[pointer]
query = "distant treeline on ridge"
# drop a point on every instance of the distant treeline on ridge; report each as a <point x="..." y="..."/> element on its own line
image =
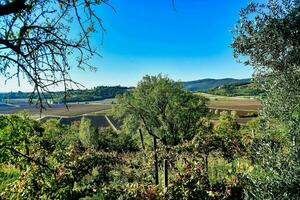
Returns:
<point x="97" y="93"/>
<point x="224" y="87"/>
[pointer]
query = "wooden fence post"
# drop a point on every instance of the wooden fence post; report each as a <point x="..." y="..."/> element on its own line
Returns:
<point x="206" y="162"/>
<point x="155" y="160"/>
<point x="166" y="173"/>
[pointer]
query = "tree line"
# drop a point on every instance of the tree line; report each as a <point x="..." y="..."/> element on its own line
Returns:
<point x="96" y="93"/>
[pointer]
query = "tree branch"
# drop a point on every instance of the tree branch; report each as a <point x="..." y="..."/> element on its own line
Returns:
<point x="28" y="158"/>
<point x="13" y="7"/>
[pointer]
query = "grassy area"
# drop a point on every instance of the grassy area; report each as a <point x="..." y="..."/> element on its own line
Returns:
<point x="102" y="112"/>
<point x="97" y="118"/>
<point x="8" y="174"/>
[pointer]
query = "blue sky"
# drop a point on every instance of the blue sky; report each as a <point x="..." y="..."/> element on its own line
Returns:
<point x="149" y="37"/>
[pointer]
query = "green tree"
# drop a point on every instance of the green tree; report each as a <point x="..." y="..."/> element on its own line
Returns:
<point x="227" y="124"/>
<point x="88" y="133"/>
<point x="224" y="137"/>
<point x="16" y="135"/>
<point x="110" y="140"/>
<point x="267" y="38"/>
<point x="163" y="108"/>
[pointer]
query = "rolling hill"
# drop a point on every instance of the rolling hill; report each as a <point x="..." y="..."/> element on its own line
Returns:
<point x="209" y="84"/>
<point x="231" y="90"/>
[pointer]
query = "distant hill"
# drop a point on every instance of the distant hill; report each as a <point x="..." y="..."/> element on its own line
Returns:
<point x="209" y="84"/>
<point x="235" y="89"/>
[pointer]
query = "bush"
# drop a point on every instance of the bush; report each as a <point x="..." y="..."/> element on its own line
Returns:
<point x="88" y="134"/>
<point x="109" y="140"/>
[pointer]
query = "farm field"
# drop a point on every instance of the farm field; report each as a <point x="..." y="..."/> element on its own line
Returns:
<point x="4" y="106"/>
<point x="97" y="120"/>
<point x="73" y="110"/>
<point x="245" y="107"/>
<point x="95" y="110"/>
<point x="59" y="110"/>
<point x="242" y="105"/>
<point x="233" y="103"/>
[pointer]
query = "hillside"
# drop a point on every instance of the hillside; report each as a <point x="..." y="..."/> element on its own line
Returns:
<point x="236" y="89"/>
<point x="208" y="84"/>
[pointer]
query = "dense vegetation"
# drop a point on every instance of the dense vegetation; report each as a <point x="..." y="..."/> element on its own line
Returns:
<point x="97" y="93"/>
<point x="204" y="160"/>
<point x="162" y="108"/>
<point x="231" y="90"/>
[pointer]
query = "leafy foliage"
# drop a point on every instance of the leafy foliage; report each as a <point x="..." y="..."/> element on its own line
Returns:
<point x="163" y="108"/>
<point x="266" y="37"/>
<point x="87" y="134"/>
<point x="222" y="160"/>
<point x="248" y="89"/>
<point x="51" y="165"/>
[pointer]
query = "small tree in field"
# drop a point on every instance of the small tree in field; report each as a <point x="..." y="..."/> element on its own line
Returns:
<point x="162" y="108"/>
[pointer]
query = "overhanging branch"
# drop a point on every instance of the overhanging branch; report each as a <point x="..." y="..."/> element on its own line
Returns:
<point x="13" y="7"/>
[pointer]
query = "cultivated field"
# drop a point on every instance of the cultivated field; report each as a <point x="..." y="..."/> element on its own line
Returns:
<point x="73" y="110"/>
<point x="246" y="107"/>
<point x="60" y="110"/>
<point x="233" y="103"/>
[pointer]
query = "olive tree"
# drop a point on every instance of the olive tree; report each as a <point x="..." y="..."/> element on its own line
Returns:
<point x="267" y="38"/>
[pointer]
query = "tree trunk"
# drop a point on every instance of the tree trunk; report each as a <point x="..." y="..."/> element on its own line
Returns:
<point x="206" y="162"/>
<point x="142" y="139"/>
